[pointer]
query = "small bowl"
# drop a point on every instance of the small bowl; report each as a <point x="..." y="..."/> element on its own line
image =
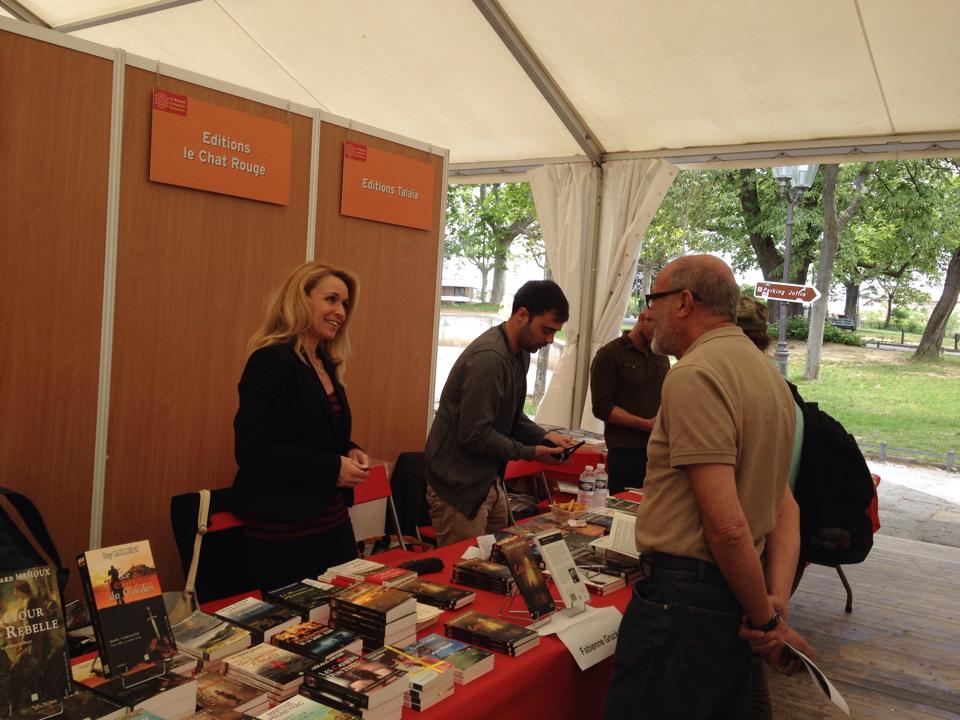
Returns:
<point x="561" y="515"/>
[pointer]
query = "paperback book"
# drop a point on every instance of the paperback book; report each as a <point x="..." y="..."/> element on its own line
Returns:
<point x="469" y="662"/>
<point x="360" y="680"/>
<point x="378" y="602"/>
<point x="317" y="641"/>
<point x="273" y="669"/>
<point x="80" y="705"/>
<point x="485" y="575"/>
<point x="261" y="618"/>
<point x="167" y="695"/>
<point x="218" y="692"/>
<point x="126" y="606"/>
<point x="423" y="675"/>
<point x="34" y="656"/>
<point x="492" y="633"/>
<point x="389" y="710"/>
<point x="302" y="708"/>
<point x="439" y="595"/>
<point x="209" y="638"/>
<point x="310" y="598"/>
<point x="528" y="576"/>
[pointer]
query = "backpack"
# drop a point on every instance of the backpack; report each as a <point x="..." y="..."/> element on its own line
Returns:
<point x="24" y="540"/>
<point x="834" y="490"/>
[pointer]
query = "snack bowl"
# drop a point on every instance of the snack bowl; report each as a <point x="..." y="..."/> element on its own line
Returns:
<point x="567" y="511"/>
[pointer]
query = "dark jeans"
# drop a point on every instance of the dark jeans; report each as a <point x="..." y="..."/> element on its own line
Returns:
<point x="678" y="654"/>
<point x="276" y="563"/>
<point x="626" y="467"/>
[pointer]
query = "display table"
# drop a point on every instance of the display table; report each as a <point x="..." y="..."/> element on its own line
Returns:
<point x="542" y="683"/>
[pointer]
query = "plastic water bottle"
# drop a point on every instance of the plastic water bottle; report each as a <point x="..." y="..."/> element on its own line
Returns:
<point x="600" y="487"/>
<point x="585" y="487"/>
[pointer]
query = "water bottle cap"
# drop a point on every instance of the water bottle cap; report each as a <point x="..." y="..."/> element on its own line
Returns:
<point x="601" y="466"/>
<point x="588" y="467"/>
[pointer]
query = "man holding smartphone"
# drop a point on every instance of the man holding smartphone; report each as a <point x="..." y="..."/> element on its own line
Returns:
<point x="480" y="423"/>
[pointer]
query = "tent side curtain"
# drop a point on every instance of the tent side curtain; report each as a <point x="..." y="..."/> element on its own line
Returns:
<point x="632" y="193"/>
<point x="562" y="194"/>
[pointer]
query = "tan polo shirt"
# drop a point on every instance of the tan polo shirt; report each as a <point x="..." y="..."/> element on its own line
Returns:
<point x="724" y="402"/>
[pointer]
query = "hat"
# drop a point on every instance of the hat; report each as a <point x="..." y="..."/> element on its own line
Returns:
<point x="751" y="315"/>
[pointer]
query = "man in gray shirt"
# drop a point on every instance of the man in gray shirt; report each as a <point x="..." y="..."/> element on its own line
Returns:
<point x="480" y="423"/>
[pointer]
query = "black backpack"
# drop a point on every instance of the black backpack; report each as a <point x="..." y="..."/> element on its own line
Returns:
<point x="24" y="540"/>
<point x="834" y="490"/>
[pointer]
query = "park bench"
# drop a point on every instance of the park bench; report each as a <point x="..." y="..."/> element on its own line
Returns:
<point x="843" y="323"/>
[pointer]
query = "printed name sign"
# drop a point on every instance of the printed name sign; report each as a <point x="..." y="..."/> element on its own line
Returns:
<point x="200" y="145"/>
<point x="382" y="186"/>
<point x="594" y="638"/>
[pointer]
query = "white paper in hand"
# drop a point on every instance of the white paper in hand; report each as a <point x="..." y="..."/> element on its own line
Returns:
<point x="821" y="681"/>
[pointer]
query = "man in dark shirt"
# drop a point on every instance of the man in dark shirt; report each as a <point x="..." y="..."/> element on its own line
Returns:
<point x="625" y="382"/>
<point x="480" y="423"/>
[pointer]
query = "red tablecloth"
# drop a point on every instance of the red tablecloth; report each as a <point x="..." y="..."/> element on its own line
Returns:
<point x="542" y="683"/>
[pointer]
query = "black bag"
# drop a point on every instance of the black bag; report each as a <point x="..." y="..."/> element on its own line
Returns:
<point x="24" y="540"/>
<point x="834" y="490"/>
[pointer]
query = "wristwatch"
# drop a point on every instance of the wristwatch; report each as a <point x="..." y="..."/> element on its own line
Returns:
<point x="770" y="624"/>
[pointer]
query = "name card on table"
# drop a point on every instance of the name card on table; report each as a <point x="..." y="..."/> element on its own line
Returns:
<point x="594" y="638"/>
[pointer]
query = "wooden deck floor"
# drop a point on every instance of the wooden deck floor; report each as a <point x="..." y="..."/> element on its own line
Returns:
<point x="898" y="654"/>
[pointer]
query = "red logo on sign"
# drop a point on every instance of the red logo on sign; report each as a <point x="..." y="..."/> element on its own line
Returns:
<point x="167" y="101"/>
<point x="355" y="151"/>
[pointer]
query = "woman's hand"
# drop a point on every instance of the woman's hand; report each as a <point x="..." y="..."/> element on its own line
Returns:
<point x="359" y="457"/>
<point x="352" y="473"/>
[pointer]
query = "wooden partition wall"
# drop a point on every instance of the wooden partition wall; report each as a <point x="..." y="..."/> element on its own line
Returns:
<point x="392" y="332"/>
<point x="192" y="273"/>
<point x="54" y="153"/>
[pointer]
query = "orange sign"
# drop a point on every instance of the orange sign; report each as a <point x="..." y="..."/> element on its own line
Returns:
<point x="382" y="186"/>
<point x="200" y="145"/>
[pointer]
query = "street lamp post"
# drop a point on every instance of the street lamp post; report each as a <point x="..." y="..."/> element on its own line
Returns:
<point x="794" y="181"/>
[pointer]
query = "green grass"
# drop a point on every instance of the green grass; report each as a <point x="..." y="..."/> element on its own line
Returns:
<point x="470" y="307"/>
<point x="892" y="335"/>
<point x="884" y="396"/>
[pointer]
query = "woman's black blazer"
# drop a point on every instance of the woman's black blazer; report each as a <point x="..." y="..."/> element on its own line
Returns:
<point x="288" y="442"/>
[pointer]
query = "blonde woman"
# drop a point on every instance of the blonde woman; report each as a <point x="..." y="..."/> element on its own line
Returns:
<point x="297" y="463"/>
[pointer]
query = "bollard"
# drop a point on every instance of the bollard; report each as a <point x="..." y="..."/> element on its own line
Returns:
<point x="883" y="452"/>
<point x="951" y="460"/>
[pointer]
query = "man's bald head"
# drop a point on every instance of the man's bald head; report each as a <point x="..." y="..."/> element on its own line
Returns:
<point x="710" y="279"/>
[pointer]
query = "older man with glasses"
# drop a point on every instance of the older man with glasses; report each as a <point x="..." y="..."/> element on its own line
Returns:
<point x="717" y="531"/>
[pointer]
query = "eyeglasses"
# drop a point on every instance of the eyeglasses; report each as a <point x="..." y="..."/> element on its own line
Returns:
<point x="653" y="296"/>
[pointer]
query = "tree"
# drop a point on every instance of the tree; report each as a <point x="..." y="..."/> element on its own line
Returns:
<point x="833" y="226"/>
<point x="466" y="235"/>
<point x="508" y="213"/>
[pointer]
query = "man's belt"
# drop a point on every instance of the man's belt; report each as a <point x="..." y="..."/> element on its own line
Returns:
<point x="663" y="561"/>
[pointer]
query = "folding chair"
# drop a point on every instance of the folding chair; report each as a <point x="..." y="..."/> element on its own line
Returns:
<point x="222" y="570"/>
<point x="527" y="468"/>
<point x="408" y="484"/>
<point x="371" y="499"/>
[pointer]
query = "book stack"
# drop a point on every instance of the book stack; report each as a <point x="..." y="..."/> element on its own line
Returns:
<point x="445" y="597"/>
<point x="214" y="714"/>
<point x="428" y="680"/>
<point x="303" y="708"/>
<point x="274" y="670"/>
<point x="468" y="662"/>
<point x="485" y="575"/>
<point x="365" y="687"/>
<point x="427" y="615"/>
<point x="491" y="633"/>
<point x="380" y="615"/>
<point x="600" y="583"/>
<point x="310" y="598"/>
<point x="367" y="571"/>
<point x="317" y="641"/>
<point x="209" y="639"/>
<point x="261" y="618"/>
<point x="218" y="692"/>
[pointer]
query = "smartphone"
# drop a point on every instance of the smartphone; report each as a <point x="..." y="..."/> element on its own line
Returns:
<point x="565" y="455"/>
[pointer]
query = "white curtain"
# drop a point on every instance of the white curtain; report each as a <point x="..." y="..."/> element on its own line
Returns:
<point x="632" y="193"/>
<point x="562" y="195"/>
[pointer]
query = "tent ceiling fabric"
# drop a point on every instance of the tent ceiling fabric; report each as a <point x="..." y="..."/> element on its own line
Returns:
<point x="644" y="75"/>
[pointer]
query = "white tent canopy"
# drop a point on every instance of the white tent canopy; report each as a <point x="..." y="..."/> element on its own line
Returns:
<point x="513" y="85"/>
<point x="644" y="76"/>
